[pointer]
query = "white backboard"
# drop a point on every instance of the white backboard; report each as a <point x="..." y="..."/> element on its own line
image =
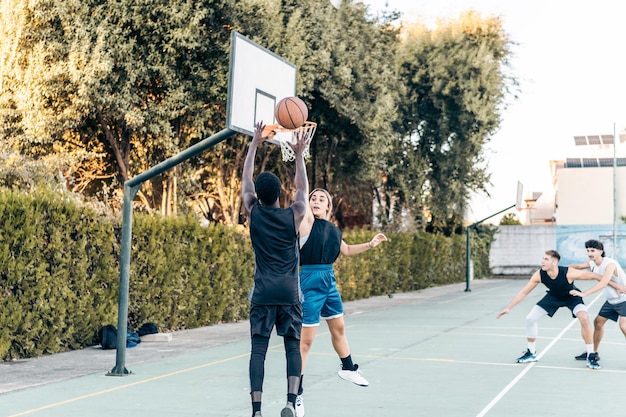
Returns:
<point x="258" y="80"/>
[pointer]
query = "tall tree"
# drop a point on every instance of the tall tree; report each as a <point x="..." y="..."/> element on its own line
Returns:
<point x="456" y="81"/>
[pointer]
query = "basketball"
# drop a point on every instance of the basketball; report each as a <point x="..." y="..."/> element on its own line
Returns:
<point x="291" y="112"/>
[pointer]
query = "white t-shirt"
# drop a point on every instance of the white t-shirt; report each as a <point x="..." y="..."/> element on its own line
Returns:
<point x="611" y="294"/>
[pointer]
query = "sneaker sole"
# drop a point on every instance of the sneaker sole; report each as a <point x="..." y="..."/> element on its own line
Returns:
<point x="527" y="361"/>
<point x="349" y="380"/>
<point x="287" y="412"/>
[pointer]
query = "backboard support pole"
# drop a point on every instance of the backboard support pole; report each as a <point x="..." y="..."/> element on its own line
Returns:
<point x="131" y="187"/>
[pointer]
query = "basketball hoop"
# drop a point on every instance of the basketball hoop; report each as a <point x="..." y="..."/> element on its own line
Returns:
<point x="283" y="136"/>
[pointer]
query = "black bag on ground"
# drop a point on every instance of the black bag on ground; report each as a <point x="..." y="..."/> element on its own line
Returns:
<point x="147" y="328"/>
<point x="108" y="336"/>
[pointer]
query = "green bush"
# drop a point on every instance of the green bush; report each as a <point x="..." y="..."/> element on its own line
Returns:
<point x="57" y="281"/>
<point x="59" y="275"/>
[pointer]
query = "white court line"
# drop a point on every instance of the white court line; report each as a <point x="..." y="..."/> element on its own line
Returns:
<point x="515" y="380"/>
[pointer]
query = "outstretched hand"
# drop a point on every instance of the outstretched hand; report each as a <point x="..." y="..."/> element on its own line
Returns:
<point x="258" y="133"/>
<point x="377" y="240"/>
<point x="301" y="142"/>
<point x="502" y="313"/>
<point x="576" y="293"/>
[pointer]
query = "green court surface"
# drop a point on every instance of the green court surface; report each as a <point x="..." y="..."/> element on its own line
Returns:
<point x="435" y="352"/>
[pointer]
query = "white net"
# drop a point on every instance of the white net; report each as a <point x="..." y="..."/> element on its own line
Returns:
<point x="285" y="136"/>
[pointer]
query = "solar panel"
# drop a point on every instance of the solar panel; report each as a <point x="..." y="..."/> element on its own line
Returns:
<point x="606" y="162"/>
<point x="590" y="162"/>
<point x="580" y="140"/>
<point x="573" y="163"/>
<point x="607" y="139"/>
<point x="594" y="140"/>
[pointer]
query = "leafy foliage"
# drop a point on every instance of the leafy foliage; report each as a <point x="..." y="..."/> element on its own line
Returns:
<point x="110" y="88"/>
<point x="509" y="219"/>
<point x="454" y="79"/>
<point x="59" y="283"/>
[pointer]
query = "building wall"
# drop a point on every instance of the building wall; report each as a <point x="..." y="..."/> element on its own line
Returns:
<point x="585" y="195"/>
<point x="517" y="250"/>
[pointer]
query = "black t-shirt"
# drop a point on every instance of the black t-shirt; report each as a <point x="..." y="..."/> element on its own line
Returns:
<point x="559" y="286"/>
<point x="275" y="243"/>
<point x="323" y="244"/>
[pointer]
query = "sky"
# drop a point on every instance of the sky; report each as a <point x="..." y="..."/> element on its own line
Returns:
<point x="567" y="60"/>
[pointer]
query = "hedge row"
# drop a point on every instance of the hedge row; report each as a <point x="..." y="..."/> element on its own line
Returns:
<point x="59" y="272"/>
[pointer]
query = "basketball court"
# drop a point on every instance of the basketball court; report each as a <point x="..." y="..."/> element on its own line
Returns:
<point x="435" y="352"/>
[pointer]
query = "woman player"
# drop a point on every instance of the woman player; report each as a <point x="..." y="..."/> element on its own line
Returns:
<point x="320" y="245"/>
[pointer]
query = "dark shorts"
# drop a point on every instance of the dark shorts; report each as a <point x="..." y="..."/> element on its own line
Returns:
<point x="613" y="311"/>
<point x="551" y="304"/>
<point x="287" y="319"/>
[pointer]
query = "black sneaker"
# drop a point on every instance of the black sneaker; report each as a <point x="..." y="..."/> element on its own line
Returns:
<point x="528" y="356"/>
<point x="592" y="361"/>
<point x="583" y="357"/>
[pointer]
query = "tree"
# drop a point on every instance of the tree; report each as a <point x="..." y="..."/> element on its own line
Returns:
<point x="455" y="85"/>
<point x="510" y="219"/>
<point x="134" y="81"/>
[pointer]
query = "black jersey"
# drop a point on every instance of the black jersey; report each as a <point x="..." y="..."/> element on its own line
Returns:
<point x="275" y="243"/>
<point x="323" y="244"/>
<point x="559" y="287"/>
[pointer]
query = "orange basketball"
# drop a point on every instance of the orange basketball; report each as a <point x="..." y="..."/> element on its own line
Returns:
<point x="291" y="112"/>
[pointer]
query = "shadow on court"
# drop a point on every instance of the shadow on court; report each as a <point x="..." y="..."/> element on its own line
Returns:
<point x="435" y="352"/>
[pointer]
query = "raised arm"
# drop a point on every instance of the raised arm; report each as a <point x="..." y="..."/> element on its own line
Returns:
<point x="247" y="184"/>
<point x="300" y="206"/>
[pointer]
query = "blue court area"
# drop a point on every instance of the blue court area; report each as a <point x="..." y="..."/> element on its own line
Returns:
<point x="436" y="352"/>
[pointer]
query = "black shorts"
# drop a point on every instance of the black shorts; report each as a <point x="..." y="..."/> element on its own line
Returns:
<point x="613" y="311"/>
<point x="287" y="319"/>
<point x="551" y="304"/>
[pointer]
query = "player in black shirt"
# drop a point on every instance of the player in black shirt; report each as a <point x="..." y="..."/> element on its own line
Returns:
<point x="560" y="281"/>
<point x="275" y="298"/>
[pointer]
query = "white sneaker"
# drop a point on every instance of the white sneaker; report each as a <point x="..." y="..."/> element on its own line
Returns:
<point x="353" y="376"/>
<point x="299" y="406"/>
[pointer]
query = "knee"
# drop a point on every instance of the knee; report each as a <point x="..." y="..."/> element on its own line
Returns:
<point x="306" y="343"/>
<point x="337" y="328"/>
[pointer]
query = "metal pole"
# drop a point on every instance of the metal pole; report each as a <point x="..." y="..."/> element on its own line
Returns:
<point x="468" y="257"/>
<point x="615" y="139"/>
<point x="122" y="303"/>
<point x="130" y="190"/>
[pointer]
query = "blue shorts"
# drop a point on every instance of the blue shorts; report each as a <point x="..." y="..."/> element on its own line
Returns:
<point x="321" y="296"/>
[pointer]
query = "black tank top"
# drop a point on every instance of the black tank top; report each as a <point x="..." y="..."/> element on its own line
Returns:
<point x="323" y="244"/>
<point x="275" y="243"/>
<point x="560" y="286"/>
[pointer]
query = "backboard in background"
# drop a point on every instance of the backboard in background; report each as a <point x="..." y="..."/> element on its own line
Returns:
<point x="520" y="196"/>
<point x="258" y="80"/>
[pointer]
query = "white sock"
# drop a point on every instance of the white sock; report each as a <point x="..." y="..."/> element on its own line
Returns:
<point x="589" y="349"/>
<point x="532" y="346"/>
